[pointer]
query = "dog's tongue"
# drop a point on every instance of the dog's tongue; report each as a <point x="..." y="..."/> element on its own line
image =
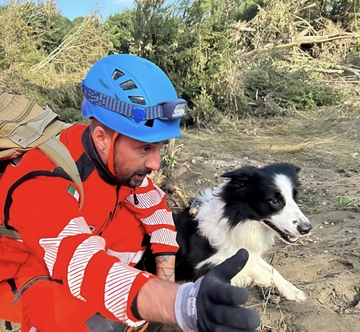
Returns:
<point x="292" y="238"/>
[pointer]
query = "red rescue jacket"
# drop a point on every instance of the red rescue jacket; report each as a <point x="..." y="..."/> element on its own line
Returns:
<point x="91" y="251"/>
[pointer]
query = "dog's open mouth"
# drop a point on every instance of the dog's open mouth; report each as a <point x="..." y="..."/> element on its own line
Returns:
<point x="284" y="236"/>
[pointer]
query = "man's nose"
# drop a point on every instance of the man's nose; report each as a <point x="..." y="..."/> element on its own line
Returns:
<point x="153" y="161"/>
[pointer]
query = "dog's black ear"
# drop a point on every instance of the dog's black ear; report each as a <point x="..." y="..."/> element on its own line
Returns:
<point x="241" y="175"/>
<point x="296" y="169"/>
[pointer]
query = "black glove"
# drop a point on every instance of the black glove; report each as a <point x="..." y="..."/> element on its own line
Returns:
<point x="211" y="304"/>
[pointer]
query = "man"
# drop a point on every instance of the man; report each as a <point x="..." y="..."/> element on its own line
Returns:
<point x="73" y="269"/>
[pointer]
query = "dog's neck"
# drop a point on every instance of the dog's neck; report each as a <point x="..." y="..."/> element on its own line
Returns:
<point x="251" y="234"/>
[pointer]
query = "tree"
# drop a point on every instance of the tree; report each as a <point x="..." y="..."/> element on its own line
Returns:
<point x="121" y="30"/>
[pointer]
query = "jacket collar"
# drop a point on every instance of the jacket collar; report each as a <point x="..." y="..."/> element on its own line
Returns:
<point x="95" y="159"/>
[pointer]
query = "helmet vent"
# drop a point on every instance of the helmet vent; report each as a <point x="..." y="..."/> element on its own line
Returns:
<point x="117" y="74"/>
<point x="149" y="123"/>
<point x="137" y="100"/>
<point x="128" y="85"/>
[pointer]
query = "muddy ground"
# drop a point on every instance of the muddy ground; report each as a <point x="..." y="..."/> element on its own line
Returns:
<point x="325" y="264"/>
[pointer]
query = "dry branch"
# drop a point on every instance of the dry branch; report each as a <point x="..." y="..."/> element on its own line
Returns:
<point x="304" y="41"/>
<point x="345" y="16"/>
<point x="72" y="41"/>
<point x="351" y="70"/>
<point x="325" y="71"/>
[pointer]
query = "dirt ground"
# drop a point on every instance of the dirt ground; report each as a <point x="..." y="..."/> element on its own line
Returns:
<point x="326" y="263"/>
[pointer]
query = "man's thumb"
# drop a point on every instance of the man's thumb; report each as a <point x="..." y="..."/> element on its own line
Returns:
<point x="231" y="267"/>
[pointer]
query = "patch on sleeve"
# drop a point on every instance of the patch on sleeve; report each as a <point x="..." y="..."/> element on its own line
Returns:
<point x="73" y="192"/>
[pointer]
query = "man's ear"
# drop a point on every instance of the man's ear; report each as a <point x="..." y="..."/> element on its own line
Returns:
<point x="101" y="139"/>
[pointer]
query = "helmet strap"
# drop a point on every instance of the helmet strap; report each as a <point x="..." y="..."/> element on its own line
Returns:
<point x="111" y="157"/>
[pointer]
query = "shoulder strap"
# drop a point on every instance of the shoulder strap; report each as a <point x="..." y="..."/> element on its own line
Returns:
<point x="6" y="229"/>
<point x="61" y="156"/>
<point x="11" y="233"/>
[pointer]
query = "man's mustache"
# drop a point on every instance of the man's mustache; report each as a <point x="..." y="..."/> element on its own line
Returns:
<point x="143" y="172"/>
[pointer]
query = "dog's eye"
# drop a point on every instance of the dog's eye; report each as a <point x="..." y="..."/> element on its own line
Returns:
<point x="275" y="201"/>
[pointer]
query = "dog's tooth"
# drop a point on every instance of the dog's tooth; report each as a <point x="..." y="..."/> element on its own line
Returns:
<point x="193" y="211"/>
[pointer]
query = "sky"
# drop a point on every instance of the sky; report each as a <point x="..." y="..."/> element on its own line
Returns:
<point x="75" y="8"/>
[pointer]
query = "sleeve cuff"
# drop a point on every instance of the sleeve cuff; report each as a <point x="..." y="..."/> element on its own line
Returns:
<point x="160" y="249"/>
<point x="139" y="281"/>
<point x="164" y="254"/>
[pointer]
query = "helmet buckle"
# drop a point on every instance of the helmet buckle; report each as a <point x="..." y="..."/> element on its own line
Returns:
<point x="138" y="114"/>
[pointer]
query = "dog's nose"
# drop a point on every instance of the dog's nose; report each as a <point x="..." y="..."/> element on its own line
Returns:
<point x="304" y="228"/>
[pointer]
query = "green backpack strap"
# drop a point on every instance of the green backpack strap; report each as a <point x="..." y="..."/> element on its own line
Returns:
<point x="61" y="156"/>
<point x="11" y="233"/>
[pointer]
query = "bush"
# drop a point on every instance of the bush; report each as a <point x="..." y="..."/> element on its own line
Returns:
<point x="207" y="48"/>
<point x="45" y="57"/>
<point x="278" y="88"/>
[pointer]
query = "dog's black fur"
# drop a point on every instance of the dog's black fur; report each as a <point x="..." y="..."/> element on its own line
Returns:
<point x="250" y="210"/>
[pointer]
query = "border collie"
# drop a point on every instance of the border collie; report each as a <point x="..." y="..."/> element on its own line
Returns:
<point x="249" y="211"/>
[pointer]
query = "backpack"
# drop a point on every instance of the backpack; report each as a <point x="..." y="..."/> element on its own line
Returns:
<point x="24" y="125"/>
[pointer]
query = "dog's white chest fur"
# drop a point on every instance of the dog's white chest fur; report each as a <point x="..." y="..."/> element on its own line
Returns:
<point x="252" y="235"/>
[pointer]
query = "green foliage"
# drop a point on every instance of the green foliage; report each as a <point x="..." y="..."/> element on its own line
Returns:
<point x="203" y="113"/>
<point x="121" y="30"/>
<point x="248" y="9"/>
<point x="45" y="56"/>
<point x="191" y="41"/>
<point x="203" y="46"/>
<point x="344" y="202"/>
<point x="278" y="88"/>
<point x="168" y="164"/>
<point x="343" y="12"/>
<point x="47" y="25"/>
<point x="42" y="22"/>
<point x="168" y="161"/>
<point x="330" y="8"/>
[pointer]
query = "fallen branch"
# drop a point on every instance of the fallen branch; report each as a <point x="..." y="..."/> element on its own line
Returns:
<point x="325" y="71"/>
<point x="71" y="41"/>
<point x="304" y="41"/>
<point x="351" y="70"/>
<point x="343" y="82"/>
<point x="345" y="16"/>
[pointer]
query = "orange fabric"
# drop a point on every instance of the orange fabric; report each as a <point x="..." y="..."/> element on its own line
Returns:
<point x="7" y="308"/>
<point x="46" y="214"/>
<point x="54" y="311"/>
<point x="111" y="154"/>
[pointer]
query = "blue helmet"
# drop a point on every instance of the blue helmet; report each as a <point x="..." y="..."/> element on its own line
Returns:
<point x="134" y="97"/>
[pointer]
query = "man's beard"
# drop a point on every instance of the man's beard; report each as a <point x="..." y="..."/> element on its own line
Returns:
<point x="130" y="181"/>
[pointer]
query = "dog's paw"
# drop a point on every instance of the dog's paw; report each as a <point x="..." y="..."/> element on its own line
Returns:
<point x="295" y="294"/>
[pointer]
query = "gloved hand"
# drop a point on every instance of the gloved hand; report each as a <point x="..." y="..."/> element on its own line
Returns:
<point x="211" y="304"/>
